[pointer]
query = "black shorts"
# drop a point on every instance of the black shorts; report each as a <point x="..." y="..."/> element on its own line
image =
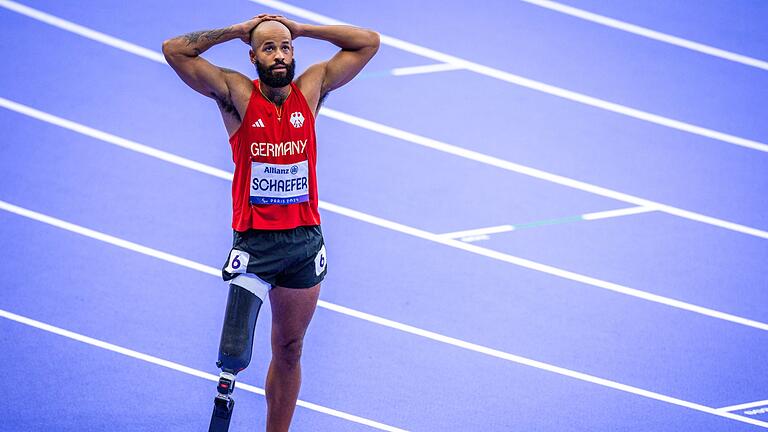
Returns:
<point x="293" y="258"/>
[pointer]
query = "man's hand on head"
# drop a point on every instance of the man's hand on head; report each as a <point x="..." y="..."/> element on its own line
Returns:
<point x="296" y="29"/>
<point x="246" y="27"/>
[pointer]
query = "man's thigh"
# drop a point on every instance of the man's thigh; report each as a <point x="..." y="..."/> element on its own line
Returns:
<point x="292" y="310"/>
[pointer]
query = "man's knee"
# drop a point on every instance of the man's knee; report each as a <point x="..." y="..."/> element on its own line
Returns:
<point x="288" y="351"/>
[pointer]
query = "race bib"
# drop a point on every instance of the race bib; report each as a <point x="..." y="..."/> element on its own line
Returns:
<point x="238" y="261"/>
<point x="279" y="183"/>
<point x="320" y="261"/>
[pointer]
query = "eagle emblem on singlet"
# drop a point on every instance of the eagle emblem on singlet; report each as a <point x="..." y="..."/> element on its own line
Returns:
<point x="297" y="119"/>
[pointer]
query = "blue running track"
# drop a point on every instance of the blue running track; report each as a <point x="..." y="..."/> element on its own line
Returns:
<point x="476" y="281"/>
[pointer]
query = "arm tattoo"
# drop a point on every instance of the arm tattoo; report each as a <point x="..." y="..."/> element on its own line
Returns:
<point x="208" y="35"/>
<point x="192" y="37"/>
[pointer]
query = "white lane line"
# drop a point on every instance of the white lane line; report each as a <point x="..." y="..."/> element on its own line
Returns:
<point x="544" y="268"/>
<point x="648" y="33"/>
<point x="483" y="233"/>
<point x="459" y="64"/>
<point x="384" y="321"/>
<point x="82" y="31"/>
<point x="396" y="133"/>
<point x="184" y="369"/>
<point x="113" y="139"/>
<point x="479" y="232"/>
<point x="529" y="83"/>
<point x="744" y="406"/>
<point x="418" y="50"/>
<point x="562" y="371"/>
<point x="474" y="238"/>
<point x="110" y="239"/>
<point x="617" y="213"/>
<point x="536" y="173"/>
<point x="755" y="411"/>
<point x="414" y="70"/>
<point x="522" y="169"/>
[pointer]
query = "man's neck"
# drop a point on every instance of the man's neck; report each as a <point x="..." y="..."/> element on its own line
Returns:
<point x="276" y="95"/>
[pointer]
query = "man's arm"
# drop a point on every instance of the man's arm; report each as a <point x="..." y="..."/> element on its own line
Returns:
<point x="357" y="45"/>
<point x="183" y="55"/>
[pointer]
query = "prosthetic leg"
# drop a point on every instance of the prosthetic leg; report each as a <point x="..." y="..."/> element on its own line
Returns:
<point x="246" y="295"/>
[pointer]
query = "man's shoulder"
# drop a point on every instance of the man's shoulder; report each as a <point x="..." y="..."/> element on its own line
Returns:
<point x="310" y="83"/>
<point x="237" y="82"/>
<point x="311" y="79"/>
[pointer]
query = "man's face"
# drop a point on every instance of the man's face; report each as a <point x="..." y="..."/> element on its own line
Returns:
<point x="278" y="74"/>
<point x="272" y="53"/>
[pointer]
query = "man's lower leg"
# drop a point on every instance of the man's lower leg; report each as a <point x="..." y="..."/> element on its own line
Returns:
<point x="282" y="391"/>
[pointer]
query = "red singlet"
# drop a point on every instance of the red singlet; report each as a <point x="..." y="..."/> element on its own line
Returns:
<point x="275" y="184"/>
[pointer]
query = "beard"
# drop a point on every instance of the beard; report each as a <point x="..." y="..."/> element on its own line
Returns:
<point x="267" y="74"/>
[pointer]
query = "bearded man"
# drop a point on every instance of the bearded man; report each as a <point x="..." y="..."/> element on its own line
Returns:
<point x="278" y="249"/>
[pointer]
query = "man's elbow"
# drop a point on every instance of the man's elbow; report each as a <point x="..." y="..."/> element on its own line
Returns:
<point x="169" y="47"/>
<point x="173" y="50"/>
<point x="375" y="39"/>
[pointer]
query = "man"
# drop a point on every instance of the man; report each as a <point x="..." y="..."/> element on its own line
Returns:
<point x="278" y="246"/>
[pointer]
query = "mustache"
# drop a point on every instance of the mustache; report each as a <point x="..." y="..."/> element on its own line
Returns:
<point x="277" y="64"/>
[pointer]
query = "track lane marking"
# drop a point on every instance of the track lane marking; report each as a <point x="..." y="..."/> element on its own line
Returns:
<point x="415" y="70"/>
<point x="455" y="150"/>
<point x="409" y="70"/>
<point x="480" y="232"/>
<point x="405" y="229"/>
<point x="184" y="369"/>
<point x="471" y="235"/>
<point x="617" y="213"/>
<point x="745" y="406"/>
<point x="527" y="82"/>
<point x="649" y="33"/>
<point x="82" y="31"/>
<point x="539" y="174"/>
<point x="384" y="321"/>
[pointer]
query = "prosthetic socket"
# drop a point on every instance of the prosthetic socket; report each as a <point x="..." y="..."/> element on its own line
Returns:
<point x="239" y="326"/>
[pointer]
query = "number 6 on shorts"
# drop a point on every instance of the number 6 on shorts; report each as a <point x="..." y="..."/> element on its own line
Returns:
<point x="238" y="261"/>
